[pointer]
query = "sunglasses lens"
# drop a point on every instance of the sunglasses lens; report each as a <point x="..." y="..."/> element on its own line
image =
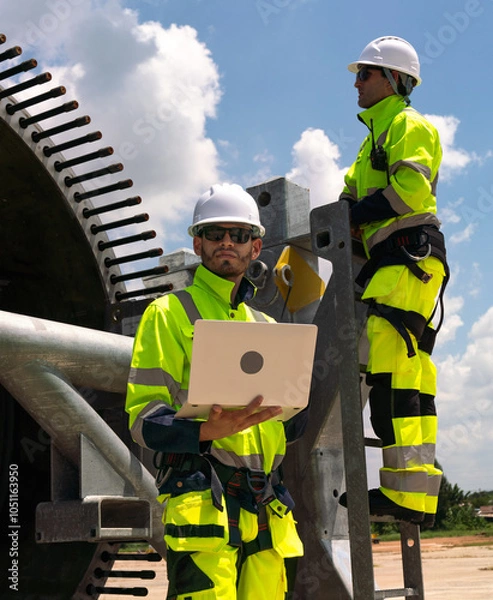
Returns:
<point x="213" y="235"/>
<point x="238" y="235"/>
<point x="363" y="74"/>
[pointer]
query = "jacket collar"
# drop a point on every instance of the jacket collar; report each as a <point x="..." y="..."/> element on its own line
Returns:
<point x="382" y="112"/>
<point x="222" y="288"/>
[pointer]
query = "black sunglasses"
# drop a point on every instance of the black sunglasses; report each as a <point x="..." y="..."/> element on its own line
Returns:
<point x="215" y="233"/>
<point x="364" y="73"/>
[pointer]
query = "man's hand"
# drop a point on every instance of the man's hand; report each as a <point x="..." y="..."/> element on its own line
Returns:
<point x="223" y="423"/>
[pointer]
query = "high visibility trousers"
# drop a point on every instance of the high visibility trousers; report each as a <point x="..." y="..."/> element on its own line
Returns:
<point x="402" y="397"/>
<point x="214" y="576"/>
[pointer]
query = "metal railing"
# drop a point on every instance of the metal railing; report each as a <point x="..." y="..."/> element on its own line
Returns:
<point x="41" y="365"/>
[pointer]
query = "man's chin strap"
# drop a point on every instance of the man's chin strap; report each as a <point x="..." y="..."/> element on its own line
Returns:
<point x="407" y="81"/>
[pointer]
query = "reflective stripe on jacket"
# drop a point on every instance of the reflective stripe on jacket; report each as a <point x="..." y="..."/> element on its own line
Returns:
<point x="408" y="187"/>
<point x="160" y="371"/>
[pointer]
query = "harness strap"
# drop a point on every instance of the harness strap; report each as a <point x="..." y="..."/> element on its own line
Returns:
<point x="427" y="341"/>
<point x="263" y="541"/>
<point x="167" y="462"/>
<point x="253" y="489"/>
<point x="259" y="316"/>
<point x="407" y="320"/>
<point x="406" y="247"/>
<point x="242" y="488"/>
<point x="193" y="312"/>
<point x="189" y="305"/>
<point x="403" y="321"/>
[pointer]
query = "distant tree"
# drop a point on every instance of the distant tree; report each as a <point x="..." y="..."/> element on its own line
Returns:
<point x="450" y="496"/>
<point x="481" y="498"/>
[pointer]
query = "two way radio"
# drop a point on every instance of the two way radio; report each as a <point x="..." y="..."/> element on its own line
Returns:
<point x="378" y="156"/>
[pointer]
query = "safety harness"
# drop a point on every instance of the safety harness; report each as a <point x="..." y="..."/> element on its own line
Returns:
<point x="409" y="247"/>
<point x="242" y="488"/>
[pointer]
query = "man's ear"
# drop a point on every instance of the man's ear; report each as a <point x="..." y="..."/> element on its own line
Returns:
<point x="396" y="76"/>
<point x="256" y="248"/>
<point x="197" y="245"/>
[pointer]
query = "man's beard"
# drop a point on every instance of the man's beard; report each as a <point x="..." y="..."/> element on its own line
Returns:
<point x="225" y="267"/>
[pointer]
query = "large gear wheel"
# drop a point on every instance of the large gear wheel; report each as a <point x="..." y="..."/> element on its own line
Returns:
<point x="59" y="261"/>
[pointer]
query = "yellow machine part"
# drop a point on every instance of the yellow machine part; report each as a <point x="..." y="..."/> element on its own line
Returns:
<point x="296" y="280"/>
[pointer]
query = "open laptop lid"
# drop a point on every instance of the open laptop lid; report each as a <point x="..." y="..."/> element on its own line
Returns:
<point x="232" y="362"/>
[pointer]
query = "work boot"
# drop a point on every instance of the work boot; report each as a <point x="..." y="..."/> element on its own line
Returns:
<point x="381" y="506"/>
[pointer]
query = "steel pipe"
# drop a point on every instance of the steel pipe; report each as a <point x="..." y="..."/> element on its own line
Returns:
<point x="41" y="361"/>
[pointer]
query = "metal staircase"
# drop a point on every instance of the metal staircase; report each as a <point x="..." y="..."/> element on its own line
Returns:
<point x="109" y="562"/>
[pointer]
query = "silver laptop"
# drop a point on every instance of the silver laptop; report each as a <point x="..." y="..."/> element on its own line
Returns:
<point x="233" y="362"/>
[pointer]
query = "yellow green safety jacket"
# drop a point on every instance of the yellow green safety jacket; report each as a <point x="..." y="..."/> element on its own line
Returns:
<point x="158" y="386"/>
<point x="401" y="193"/>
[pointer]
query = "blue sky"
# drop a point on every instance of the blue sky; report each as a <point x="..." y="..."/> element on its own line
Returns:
<point x="190" y="92"/>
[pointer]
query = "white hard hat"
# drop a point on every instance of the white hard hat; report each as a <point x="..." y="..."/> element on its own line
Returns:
<point x="391" y="52"/>
<point x="226" y="203"/>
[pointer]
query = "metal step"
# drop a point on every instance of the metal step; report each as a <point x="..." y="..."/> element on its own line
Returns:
<point x="396" y="593"/>
<point x="107" y="563"/>
<point x="93" y="591"/>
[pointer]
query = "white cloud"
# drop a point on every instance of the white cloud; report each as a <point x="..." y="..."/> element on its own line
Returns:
<point x="454" y="160"/>
<point x="448" y="214"/>
<point x="465" y="409"/>
<point x="264" y="160"/>
<point x="452" y="319"/>
<point x="150" y="90"/>
<point x="230" y="149"/>
<point x="316" y="166"/>
<point x="464" y="235"/>
<point x="476" y="279"/>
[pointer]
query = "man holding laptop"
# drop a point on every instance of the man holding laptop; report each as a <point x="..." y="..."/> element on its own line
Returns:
<point x="228" y="519"/>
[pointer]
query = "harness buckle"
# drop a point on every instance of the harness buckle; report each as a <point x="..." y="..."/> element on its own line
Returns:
<point x="414" y="257"/>
<point x="257" y="482"/>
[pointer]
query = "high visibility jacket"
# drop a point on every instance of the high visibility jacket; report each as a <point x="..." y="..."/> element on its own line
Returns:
<point x="158" y="386"/>
<point x="159" y="378"/>
<point x="403" y="194"/>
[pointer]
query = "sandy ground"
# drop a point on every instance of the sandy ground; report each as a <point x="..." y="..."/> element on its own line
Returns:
<point x="453" y="569"/>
